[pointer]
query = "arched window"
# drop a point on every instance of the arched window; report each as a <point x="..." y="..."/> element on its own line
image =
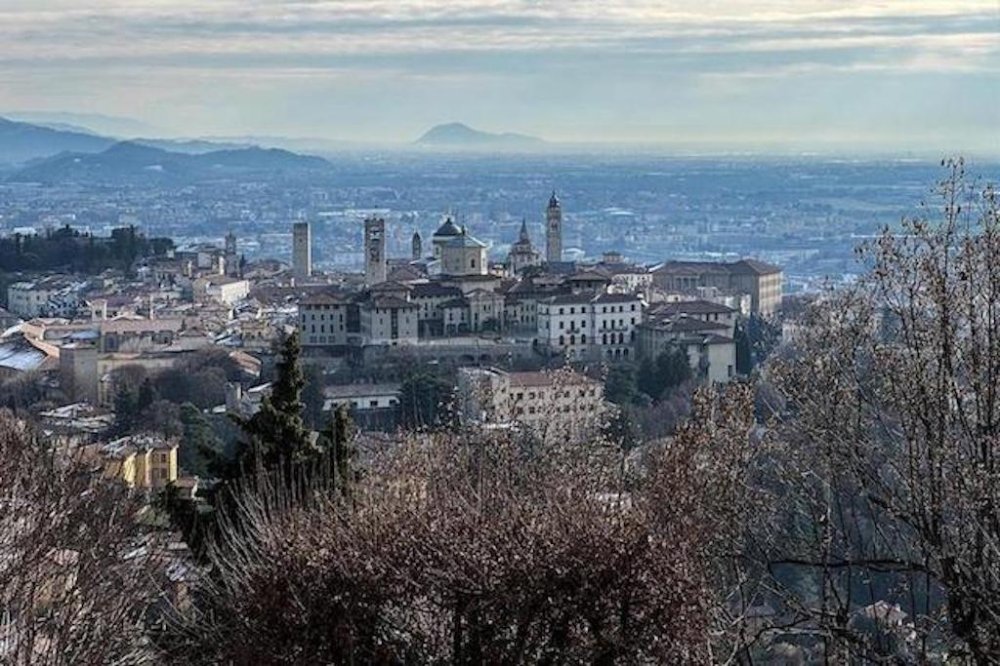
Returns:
<point x="583" y="339"/>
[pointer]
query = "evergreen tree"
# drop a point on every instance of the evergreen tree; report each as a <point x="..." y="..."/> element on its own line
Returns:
<point x="338" y="445"/>
<point x="424" y="401"/>
<point x="200" y="446"/>
<point x="744" y="352"/>
<point x="670" y="369"/>
<point x="276" y="436"/>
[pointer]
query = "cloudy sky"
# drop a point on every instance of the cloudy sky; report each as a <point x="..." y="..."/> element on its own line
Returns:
<point x="888" y="75"/>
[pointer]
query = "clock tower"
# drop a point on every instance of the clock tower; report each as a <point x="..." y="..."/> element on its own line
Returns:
<point x="553" y="230"/>
<point x="376" y="263"/>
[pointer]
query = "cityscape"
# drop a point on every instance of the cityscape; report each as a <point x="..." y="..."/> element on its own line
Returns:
<point x="499" y="333"/>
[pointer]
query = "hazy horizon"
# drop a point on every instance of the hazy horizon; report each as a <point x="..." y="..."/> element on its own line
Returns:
<point x="809" y="76"/>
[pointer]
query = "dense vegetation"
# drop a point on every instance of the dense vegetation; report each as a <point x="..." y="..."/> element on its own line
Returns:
<point x="69" y="250"/>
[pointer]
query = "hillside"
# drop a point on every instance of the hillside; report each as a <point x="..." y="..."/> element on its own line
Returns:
<point x="135" y="163"/>
<point x="22" y="142"/>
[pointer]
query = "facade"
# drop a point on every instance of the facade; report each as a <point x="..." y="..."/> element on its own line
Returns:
<point x="145" y="462"/>
<point x="463" y="255"/>
<point x="55" y="296"/>
<point x="759" y="280"/>
<point x="389" y="320"/>
<point x="376" y="263"/>
<point x="587" y="327"/>
<point x="553" y="230"/>
<point x="323" y="321"/>
<point x="561" y="403"/>
<point x="221" y="289"/>
<point x="301" y="250"/>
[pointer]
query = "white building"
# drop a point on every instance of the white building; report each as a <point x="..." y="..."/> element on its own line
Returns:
<point x="583" y="326"/>
<point x="361" y="397"/>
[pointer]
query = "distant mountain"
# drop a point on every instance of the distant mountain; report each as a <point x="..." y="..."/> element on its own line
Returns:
<point x="134" y="163"/>
<point x="88" y="123"/>
<point x="23" y="142"/>
<point x="460" y="135"/>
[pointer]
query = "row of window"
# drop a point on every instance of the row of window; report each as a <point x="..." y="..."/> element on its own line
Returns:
<point x="604" y="309"/>
<point x="519" y="411"/>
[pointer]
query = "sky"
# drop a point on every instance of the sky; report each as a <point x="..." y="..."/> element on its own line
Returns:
<point x="895" y="75"/>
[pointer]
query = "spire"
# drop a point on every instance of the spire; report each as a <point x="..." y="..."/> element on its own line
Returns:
<point x="523" y="236"/>
<point x="553" y="200"/>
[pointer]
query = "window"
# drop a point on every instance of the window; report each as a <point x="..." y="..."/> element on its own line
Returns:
<point x="583" y="339"/>
<point x="373" y="403"/>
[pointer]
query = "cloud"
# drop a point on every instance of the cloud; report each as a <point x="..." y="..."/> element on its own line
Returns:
<point x="625" y="65"/>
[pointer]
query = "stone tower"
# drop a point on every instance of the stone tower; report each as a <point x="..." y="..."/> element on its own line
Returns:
<point x="301" y="250"/>
<point x="232" y="259"/>
<point x="376" y="263"/>
<point x="418" y="246"/>
<point x="553" y="230"/>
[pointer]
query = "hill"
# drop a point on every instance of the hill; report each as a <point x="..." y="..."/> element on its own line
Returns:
<point x="135" y="163"/>
<point x="22" y="142"/>
<point x="460" y="135"/>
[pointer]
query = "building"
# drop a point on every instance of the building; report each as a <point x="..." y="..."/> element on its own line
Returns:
<point x="522" y="254"/>
<point x="707" y="311"/>
<point x="389" y="320"/>
<point x="561" y="403"/>
<point x="376" y="263"/>
<point x="221" y="289"/>
<point x="20" y="353"/>
<point x="587" y="327"/>
<point x="54" y="296"/>
<point x="145" y="462"/>
<point x="463" y="255"/>
<point x="323" y="320"/>
<point x="301" y="250"/>
<point x="447" y="231"/>
<point x="553" y="230"/>
<point x="709" y="345"/>
<point x="759" y="280"/>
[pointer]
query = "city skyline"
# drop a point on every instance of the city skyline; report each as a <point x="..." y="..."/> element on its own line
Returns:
<point x="814" y="75"/>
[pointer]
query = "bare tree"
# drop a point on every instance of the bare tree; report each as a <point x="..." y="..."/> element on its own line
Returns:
<point x="892" y="427"/>
<point x="76" y="579"/>
<point x="486" y="547"/>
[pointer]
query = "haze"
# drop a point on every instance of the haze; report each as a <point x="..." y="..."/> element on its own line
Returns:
<point x="726" y="75"/>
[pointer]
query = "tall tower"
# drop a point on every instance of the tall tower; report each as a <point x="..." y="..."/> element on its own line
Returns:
<point x="553" y="230"/>
<point x="375" y="260"/>
<point x="232" y="260"/>
<point x="301" y="250"/>
<point x="418" y="246"/>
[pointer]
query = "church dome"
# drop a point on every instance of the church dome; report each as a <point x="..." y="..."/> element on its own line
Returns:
<point x="449" y="228"/>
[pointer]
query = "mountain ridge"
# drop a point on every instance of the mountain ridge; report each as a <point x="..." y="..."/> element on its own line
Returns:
<point x="136" y="162"/>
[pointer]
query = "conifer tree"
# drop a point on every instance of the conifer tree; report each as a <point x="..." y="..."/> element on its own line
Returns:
<point x="276" y="435"/>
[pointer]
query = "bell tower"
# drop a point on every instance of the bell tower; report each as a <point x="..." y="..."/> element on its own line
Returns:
<point x="553" y="230"/>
